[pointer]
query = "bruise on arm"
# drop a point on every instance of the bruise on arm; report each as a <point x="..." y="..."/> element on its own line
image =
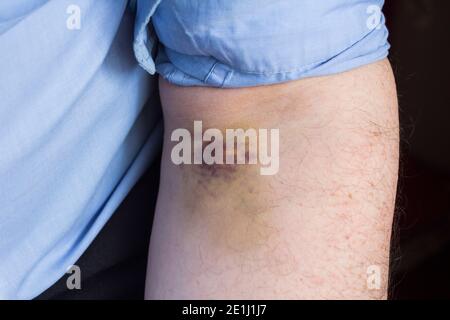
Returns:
<point x="231" y="196"/>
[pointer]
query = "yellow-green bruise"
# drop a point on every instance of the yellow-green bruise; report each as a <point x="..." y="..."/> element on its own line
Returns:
<point x="231" y="200"/>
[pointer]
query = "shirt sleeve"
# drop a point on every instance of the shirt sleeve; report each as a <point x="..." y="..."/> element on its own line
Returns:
<point x="239" y="43"/>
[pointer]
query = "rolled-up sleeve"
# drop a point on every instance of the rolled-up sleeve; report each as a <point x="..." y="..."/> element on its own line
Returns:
<point x="238" y="43"/>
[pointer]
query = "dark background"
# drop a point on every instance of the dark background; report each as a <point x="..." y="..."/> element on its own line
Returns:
<point x="420" y="54"/>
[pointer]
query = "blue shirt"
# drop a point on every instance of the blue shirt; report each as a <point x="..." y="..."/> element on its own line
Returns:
<point x="79" y="122"/>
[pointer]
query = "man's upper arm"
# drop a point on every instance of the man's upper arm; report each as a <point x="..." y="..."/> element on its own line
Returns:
<point x="311" y="230"/>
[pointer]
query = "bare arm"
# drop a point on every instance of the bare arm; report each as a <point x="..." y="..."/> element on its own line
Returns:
<point x="310" y="231"/>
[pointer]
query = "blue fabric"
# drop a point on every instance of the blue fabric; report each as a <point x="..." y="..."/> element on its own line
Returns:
<point x="76" y="132"/>
<point x="235" y="43"/>
<point x="78" y="125"/>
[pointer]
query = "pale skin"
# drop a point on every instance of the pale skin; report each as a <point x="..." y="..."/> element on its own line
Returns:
<point x="312" y="230"/>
